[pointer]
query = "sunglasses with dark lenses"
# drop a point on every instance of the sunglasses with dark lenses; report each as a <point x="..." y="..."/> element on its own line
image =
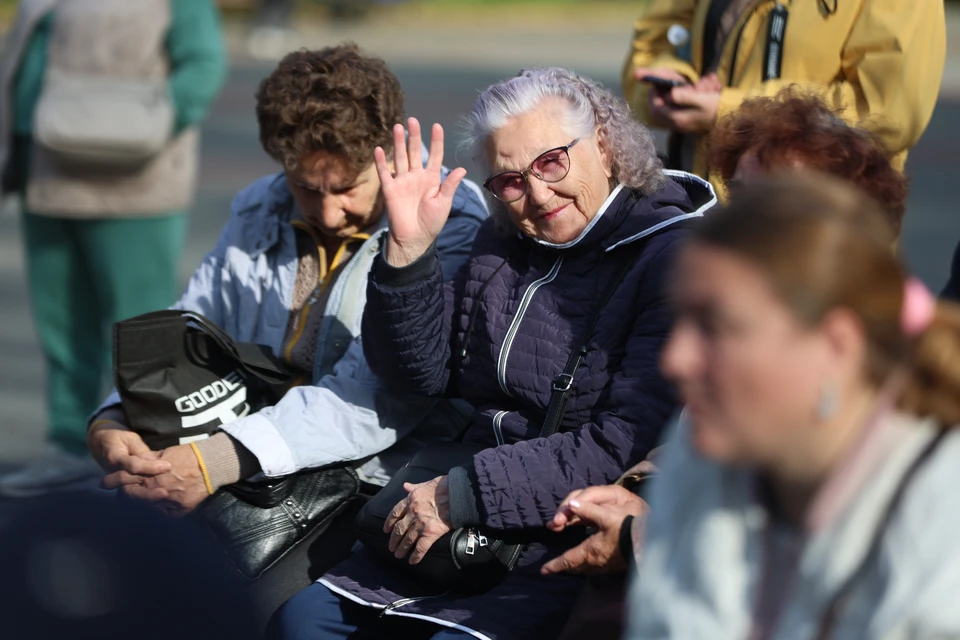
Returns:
<point x="549" y="166"/>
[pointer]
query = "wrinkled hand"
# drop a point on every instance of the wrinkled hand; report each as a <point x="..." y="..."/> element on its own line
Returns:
<point x="420" y="519"/>
<point x="117" y="449"/>
<point x="418" y="204"/>
<point x="179" y="490"/>
<point x="603" y="508"/>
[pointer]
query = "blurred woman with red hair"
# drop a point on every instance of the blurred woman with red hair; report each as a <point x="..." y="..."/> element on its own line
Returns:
<point x="797" y="130"/>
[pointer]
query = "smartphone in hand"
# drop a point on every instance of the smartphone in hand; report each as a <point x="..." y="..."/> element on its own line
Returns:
<point x="663" y="83"/>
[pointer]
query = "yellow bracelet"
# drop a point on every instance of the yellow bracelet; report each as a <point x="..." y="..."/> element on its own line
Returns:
<point x="93" y="426"/>
<point x="203" y="468"/>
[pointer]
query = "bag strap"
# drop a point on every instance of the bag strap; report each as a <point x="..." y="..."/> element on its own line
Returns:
<point x="181" y="317"/>
<point x="259" y="360"/>
<point x="563" y="383"/>
<point x="218" y="335"/>
<point x="256" y="359"/>
<point x="829" y="620"/>
<point x="199" y="319"/>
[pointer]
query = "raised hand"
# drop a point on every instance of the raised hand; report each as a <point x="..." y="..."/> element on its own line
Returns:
<point x="417" y="202"/>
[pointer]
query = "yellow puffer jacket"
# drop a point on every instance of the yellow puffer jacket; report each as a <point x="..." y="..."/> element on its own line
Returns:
<point x="879" y="60"/>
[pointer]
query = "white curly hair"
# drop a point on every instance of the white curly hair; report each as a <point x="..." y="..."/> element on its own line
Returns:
<point x="632" y="151"/>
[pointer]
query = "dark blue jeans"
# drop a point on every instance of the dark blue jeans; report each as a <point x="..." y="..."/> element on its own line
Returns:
<point x="317" y="613"/>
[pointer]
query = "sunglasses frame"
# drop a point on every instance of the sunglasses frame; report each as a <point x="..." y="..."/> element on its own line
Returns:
<point x="529" y="170"/>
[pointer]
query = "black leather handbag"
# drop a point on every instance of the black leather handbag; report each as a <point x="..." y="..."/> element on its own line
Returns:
<point x="181" y="377"/>
<point x="469" y="559"/>
<point x="259" y="523"/>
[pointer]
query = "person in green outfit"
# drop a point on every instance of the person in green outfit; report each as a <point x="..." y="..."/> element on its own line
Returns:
<point x="103" y="221"/>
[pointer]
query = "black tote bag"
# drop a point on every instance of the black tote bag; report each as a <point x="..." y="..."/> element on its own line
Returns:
<point x="180" y="377"/>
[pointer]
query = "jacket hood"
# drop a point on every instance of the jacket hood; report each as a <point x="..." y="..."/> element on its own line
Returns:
<point x="629" y="215"/>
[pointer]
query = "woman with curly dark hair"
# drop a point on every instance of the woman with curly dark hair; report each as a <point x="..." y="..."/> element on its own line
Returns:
<point x="793" y="130"/>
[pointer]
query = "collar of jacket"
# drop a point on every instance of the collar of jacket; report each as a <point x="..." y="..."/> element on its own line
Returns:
<point x="628" y="215"/>
<point x="266" y="207"/>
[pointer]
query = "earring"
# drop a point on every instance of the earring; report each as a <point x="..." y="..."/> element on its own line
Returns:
<point x="829" y="401"/>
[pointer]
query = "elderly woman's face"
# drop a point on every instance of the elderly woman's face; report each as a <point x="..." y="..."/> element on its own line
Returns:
<point x="749" y="373"/>
<point x="332" y="200"/>
<point x="554" y="212"/>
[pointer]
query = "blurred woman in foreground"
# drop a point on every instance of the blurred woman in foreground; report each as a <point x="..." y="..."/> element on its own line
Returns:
<point x="809" y="492"/>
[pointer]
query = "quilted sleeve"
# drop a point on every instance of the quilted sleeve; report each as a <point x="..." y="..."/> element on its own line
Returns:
<point x="407" y="325"/>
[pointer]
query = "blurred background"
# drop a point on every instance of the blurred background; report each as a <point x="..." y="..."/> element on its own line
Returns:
<point x="444" y="52"/>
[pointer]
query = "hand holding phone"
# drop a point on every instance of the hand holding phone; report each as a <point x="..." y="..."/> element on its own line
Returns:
<point x="662" y="83"/>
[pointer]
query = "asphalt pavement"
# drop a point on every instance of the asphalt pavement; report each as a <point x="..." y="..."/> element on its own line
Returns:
<point x="442" y="68"/>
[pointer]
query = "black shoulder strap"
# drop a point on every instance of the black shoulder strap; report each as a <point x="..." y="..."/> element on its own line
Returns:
<point x="564" y="382"/>
<point x="829" y="619"/>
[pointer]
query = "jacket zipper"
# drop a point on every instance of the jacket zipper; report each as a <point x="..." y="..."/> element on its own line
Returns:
<point x="515" y="325"/>
<point x="402" y="602"/>
<point x="497" y="431"/>
<point x="345" y="276"/>
<point x="340" y="285"/>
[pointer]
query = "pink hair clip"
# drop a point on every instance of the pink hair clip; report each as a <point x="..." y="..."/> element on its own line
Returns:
<point x="919" y="307"/>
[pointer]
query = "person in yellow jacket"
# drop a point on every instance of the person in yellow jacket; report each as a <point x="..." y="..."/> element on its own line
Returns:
<point x="881" y="61"/>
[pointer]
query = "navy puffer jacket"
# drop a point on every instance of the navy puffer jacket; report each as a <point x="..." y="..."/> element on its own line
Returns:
<point x="498" y="336"/>
<point x="501" y="333"/>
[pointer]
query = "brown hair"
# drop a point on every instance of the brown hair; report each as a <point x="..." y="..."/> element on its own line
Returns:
<point x="824" y="245"/>
<point x="335" y="100"/>
<point x="793" y="127"/>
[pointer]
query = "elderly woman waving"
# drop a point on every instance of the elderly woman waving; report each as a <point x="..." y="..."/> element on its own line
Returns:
<point x="582" y="202"/>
